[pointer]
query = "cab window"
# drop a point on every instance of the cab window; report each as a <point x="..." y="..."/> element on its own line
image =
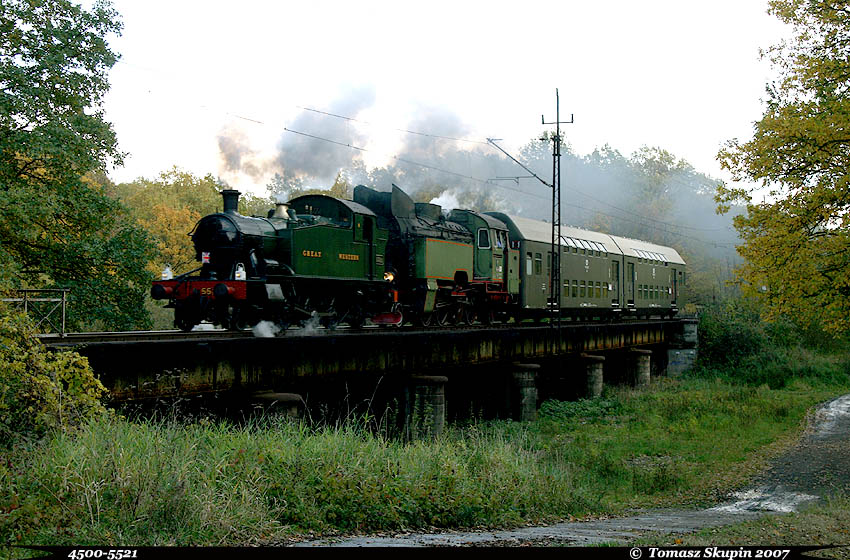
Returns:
<point x="483" y="239"/>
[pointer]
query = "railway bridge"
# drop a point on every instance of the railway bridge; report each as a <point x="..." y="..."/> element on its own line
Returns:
<point x="517" y="364"/>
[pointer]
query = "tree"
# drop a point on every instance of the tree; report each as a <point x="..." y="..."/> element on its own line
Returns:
<point x="57" y="225"/>
<point x="797" y="240"/>
<point x="170" y="205"/>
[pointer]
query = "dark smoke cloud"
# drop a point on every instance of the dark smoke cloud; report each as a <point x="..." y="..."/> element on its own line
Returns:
<point x="298" y="158"/>
<point x="238" y="156"/>
<point x="320" y="161"/>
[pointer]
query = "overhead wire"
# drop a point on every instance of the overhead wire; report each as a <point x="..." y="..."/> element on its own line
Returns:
<point x="417" y="133"/>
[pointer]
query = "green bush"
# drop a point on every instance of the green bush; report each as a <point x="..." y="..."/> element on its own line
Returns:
<point x="39" y="389"/>
<point x="730" y="332"/>
<point x="738" y="346"/>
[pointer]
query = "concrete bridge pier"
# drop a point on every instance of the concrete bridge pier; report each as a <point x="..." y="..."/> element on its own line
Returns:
<point x="524" y="392"/>
<point x="641" y="366"/>
<point x="425" y="407"/>
<point x="594" y="366"/>
<point x="683" y="349"/>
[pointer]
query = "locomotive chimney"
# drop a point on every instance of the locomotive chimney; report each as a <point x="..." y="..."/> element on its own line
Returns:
<point x="231" y="200"/>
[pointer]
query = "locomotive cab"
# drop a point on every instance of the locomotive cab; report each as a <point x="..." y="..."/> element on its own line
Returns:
<point x="339" y="239"/>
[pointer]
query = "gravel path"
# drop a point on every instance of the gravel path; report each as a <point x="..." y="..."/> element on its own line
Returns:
<point x="818" y="466"/>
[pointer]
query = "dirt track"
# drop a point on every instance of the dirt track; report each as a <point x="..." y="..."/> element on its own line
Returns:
<point x="818" y="466"/>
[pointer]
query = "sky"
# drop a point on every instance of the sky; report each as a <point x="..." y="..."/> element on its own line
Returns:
<point x="197" y="77"/>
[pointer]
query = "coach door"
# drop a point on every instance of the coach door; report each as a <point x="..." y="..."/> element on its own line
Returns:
<point x="630" y="282"/>
<point x="674" y="285"/>
<point x="615" y="282"/>
<point x="364" y="232"/>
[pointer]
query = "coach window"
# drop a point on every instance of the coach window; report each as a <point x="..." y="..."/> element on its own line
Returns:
<point x="538" y="263"/>
<point x="483" y="239"/>
<point x="528" y="264"/>
<point x="575" y="288"/>
<point x="582" y="289"/>
<point x="599" y="289"/>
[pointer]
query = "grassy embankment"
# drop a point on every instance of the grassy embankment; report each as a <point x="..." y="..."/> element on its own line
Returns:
<point x="114" y="481"/>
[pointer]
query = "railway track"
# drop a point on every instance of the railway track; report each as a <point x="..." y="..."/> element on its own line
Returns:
<point x="77" y="339"/>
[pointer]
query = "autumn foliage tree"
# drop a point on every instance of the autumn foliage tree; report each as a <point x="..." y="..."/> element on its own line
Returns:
<point x="58" y="228"/>
<point x="168" y="207"/>
<point x="797" y="240"/>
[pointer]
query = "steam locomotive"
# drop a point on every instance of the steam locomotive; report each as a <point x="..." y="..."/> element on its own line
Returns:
<point x="384" y="258"/>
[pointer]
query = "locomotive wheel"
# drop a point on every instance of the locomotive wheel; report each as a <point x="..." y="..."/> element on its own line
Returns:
<point x="184" y="320"/>
<point x="466" y="315"/>
<point x="398" y="309"/>
<point x="423" y="319"/>
<point x="355" y="317"/>
<point x="329" y="321"/>
<point x="236" y="319"/>
<point x="444" y="315"/>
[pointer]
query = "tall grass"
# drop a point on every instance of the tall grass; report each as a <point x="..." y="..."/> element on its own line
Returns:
<point x="215" y="483"/>
<point x="161" y="483"/>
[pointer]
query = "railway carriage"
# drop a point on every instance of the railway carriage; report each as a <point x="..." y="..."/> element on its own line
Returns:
<point x="654" y="277"/>
<point x="589" y="264"/>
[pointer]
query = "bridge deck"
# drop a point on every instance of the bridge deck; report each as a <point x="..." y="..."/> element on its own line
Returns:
<point x="134" y="368"/>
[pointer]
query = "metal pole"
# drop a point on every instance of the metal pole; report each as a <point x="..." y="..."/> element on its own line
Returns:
<point x="555" y="270"/>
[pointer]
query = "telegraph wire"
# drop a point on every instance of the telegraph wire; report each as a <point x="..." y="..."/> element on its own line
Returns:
<point x="411" y="162"/>
<point x="417" y="133"/>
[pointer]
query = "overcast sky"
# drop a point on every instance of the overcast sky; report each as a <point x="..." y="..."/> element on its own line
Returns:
<point x="682" y="75"/>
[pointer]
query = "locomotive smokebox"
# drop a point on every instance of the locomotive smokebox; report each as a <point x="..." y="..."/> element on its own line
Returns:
<point x="231" y="200"/>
